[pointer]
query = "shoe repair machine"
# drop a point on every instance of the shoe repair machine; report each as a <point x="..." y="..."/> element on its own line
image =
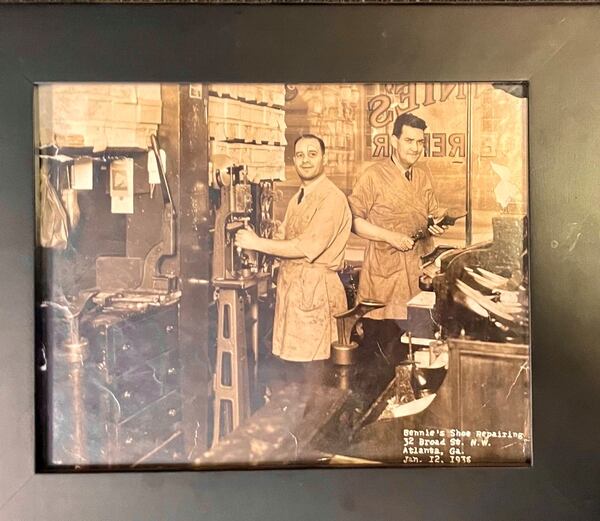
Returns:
<point x="239" y="278"/>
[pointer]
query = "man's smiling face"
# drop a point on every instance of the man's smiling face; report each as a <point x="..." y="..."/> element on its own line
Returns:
<point x="308" y="159"/>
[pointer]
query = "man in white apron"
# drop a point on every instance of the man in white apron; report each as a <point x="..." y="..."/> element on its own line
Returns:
<point x="315" y="231"/>
<point x="390" y="202"/>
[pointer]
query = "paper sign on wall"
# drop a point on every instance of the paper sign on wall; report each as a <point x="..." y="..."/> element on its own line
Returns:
<point x="121" y="186"/>
<point x="83" y="174"/>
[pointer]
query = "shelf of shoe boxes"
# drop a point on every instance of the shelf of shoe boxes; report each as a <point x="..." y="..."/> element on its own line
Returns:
<point x="246" y="122"/>
<point x="98" y="115"/>
<point x="332" y="116"/>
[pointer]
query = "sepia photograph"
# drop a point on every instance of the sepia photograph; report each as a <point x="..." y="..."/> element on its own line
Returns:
<point x="270" y="275"/>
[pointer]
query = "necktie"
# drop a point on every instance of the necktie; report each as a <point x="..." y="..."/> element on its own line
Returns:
<point x="408" y="175"/>
<point x="300" y="195"/>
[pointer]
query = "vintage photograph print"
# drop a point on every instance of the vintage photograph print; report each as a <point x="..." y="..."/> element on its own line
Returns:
<point x="282" y="275"/>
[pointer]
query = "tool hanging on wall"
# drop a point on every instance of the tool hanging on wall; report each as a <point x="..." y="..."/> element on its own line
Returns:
<point x="54" y="231"/>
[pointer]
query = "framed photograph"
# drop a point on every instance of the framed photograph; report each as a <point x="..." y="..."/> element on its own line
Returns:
<point x="341" y="278"/>
<point x="344" y="264"/>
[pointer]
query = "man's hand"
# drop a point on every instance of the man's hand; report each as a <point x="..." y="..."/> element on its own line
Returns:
<point x="436" y="229"/>
<point x="247" y="239"/>
<point x="399" y="241"/>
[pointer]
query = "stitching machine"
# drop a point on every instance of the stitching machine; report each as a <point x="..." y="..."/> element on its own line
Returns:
<point x="240" y="278"/>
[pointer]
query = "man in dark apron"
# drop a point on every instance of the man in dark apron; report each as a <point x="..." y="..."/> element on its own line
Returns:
<point x="390" y="202"/>
<point x="313" y="240"/>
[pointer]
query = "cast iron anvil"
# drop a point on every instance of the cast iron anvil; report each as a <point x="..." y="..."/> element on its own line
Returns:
<point x="343" y="351"/>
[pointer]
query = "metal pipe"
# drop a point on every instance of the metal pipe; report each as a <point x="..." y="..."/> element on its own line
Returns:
<point x="469" y="202"/>
<point x="255" y="332"/>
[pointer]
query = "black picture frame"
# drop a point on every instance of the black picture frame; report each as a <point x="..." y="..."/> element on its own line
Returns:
<point x="554" y="48"/>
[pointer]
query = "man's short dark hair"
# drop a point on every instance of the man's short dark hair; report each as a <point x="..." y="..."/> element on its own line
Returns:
<point x="311" y="136"/>
<point x="410" y="120"/>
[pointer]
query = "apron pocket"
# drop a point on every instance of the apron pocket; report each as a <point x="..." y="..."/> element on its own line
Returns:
<point x="383" y="260"/>
<point x="312" y="289"/>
